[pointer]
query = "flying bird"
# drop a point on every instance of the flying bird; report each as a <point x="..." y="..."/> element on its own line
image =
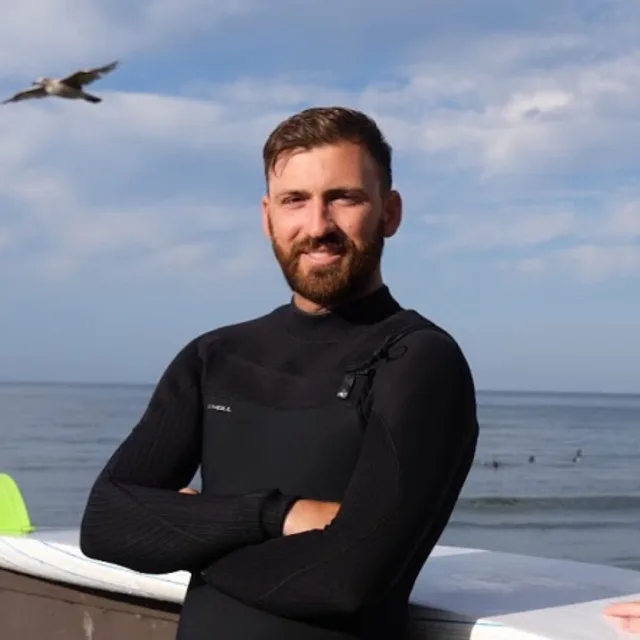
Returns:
<point x="70" y="87"/>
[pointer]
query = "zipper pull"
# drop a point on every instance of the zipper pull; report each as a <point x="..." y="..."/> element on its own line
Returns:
<point x="347" y="386"/>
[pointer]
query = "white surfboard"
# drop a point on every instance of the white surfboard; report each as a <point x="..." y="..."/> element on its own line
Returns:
<point x="469" y="594"/>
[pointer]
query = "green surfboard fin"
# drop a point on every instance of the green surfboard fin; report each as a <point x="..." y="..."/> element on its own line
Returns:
<point x="14" y="515"/>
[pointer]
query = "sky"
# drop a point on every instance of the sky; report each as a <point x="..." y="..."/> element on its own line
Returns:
<point x="129" y="227"/>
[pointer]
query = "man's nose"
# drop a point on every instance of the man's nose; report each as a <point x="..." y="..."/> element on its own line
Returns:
<point x="320" y="220"/>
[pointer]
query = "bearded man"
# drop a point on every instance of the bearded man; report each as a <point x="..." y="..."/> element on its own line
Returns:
<point x="333" y="434"/>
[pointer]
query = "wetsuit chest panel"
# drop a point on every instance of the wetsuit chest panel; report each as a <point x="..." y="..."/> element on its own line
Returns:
<point x="307" y="444"/>
<point x="311" y="452"/>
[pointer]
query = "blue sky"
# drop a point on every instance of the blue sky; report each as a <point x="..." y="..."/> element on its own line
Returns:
<point x="129" y="227"/>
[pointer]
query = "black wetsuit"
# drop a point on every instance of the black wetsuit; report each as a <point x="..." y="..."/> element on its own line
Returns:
<point x="272" y="409"/>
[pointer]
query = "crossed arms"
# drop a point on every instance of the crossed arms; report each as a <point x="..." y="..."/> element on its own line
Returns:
<point x="135" y="516"/>
<point x="417" y="451"/>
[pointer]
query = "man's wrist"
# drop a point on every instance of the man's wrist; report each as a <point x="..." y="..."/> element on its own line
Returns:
<point x="274" y="512"/>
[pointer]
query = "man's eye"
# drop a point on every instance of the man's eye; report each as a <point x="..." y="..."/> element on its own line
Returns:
<point x="350" y="200"/>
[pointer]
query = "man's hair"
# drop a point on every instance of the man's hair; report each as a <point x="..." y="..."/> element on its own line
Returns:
<point x="328" y="125"/>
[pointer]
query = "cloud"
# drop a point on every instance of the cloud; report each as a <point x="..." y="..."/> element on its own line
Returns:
<point x="38" y="34"/>
<point x="505" y="230"/>
<point x="624" y="221"/>
<point x="589" y="246"/>
<point x="518" y="144"/>
<point x="499" y="116"/>
<point x="589" y="263"/>
<point x="602" y="248"/>
<point x="596" y="263"/>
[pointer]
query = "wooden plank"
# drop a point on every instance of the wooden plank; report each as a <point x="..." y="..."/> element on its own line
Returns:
<point x="33" y="609"/>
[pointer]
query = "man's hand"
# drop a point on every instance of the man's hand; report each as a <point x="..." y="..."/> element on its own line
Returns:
<point x="189" y="491"/>
<point x="306" y="515"/>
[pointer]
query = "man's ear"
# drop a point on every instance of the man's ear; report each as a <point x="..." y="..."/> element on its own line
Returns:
<point x="392" y="214"/>
<point x="266" y="209"/>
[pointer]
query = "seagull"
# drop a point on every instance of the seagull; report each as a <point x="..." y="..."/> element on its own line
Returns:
<point x="69" y="87"/>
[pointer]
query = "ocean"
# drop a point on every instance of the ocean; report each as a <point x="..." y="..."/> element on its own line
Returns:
<point x="55" y="438"/>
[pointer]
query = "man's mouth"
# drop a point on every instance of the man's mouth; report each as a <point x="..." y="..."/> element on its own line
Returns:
<point x="324" y="256"/>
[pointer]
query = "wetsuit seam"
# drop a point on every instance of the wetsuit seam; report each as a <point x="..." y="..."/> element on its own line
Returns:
<point x="270" y="370"/>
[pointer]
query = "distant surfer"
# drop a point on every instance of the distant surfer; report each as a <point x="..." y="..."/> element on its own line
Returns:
<point x="578" y="456"/>
<point x="532" y="459"/>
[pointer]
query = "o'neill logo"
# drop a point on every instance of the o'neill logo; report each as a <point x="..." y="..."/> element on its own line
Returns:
<point x="219" y="407"/>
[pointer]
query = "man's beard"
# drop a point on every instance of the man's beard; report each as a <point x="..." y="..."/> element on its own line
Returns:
<point x="336" y="283"/>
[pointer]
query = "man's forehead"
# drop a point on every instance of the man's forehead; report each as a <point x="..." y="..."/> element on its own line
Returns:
<point x="324" y="167"/>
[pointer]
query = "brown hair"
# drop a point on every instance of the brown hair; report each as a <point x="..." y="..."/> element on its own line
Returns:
<point x="328" y="125"/>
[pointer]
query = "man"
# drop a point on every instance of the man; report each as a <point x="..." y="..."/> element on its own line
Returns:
<point x="334" y="434"/>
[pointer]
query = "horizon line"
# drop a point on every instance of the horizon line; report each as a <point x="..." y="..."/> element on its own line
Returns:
<point x="95" y="383"/>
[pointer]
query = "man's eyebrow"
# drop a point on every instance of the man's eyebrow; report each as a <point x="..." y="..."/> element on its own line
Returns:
<point x="335" y="192"/>
<point x="291" y="192"/>
<point x="348" y="191"/>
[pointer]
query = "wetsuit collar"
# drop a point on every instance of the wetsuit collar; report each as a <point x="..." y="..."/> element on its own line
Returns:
<point x="335" y="324"/>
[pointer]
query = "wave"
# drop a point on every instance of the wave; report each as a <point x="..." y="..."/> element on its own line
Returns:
<point x="626" y="562"/>
<point x="502" y="504"/>
<point x="547" y="525"/>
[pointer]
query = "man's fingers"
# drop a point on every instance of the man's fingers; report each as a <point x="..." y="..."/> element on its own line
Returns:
<point x="189" y="491"/>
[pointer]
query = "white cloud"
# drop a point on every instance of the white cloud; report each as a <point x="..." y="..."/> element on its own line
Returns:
<point x="595" y="263"/>
<point x="531" y="119"/>
<point x="508" y="230"/>
<point x="589" y="263"/>
<point x="159" y="180"/>
<point x="624" y="222"/>
<point x="36" y="35"/>
<point x="596" y="246"/>
<point x="602" y="248"/>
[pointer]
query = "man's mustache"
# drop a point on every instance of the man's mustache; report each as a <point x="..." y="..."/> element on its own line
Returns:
<point x="332" y="241"/>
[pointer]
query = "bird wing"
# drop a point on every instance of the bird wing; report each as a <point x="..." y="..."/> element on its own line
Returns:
<point x="86" y="76"/>
<point x="27" y="94"/>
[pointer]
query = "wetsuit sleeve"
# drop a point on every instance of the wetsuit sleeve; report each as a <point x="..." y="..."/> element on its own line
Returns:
<point x="135" y="516"/>
<point x="419" y="445"/>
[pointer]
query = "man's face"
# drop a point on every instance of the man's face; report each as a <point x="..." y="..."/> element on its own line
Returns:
<point x="327" y="217"/>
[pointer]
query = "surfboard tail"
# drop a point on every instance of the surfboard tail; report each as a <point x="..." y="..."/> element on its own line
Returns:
<point x="14" y="515"/>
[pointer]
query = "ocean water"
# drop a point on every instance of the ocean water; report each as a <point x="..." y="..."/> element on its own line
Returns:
<point x="55" y="438"/>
